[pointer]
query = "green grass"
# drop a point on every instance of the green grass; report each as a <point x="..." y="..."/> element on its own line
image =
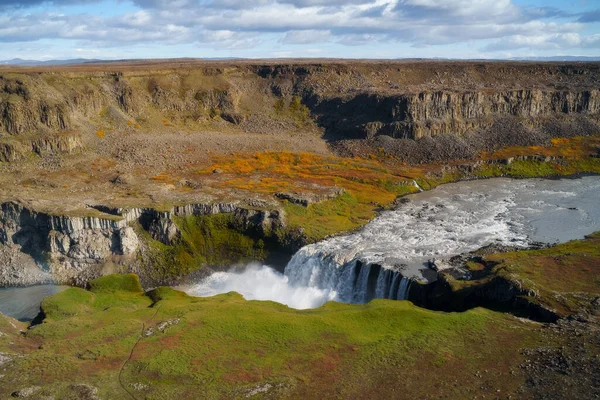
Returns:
<point x="564" y="278"/>
<point x="116" y="283"/>
<point x="536" y="169"/>
<point x="320" y="220"/>
<point x="224" y="346"/>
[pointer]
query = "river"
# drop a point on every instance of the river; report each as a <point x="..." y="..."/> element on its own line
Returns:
<point x="24" y="303"/>
<point x="440" y="223"/>
<point x="449" y="220"/>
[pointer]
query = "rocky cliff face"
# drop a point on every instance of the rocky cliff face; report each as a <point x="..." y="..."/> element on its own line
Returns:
<point x="453" y="287"/>
<point x="499" y="293"/>
<point x="49" y="103"/>
<point x="73" y="250"/>
<point x="413" y="116"/>
<point x="400" y="100"/>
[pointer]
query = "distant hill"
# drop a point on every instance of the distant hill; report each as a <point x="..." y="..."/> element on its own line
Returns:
<point x="74" y="61"/>
<point x="25" y="63"/>
<point x="20" y="61"/>
<point x="557" y="58"/>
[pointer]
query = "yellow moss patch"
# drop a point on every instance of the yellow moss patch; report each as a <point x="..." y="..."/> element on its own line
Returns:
<point x="368" y="185"/>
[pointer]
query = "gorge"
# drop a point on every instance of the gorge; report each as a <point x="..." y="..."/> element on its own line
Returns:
<point x="299" y="229"/>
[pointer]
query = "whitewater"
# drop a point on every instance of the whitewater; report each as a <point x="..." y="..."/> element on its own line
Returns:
<point x="379" y="260"/>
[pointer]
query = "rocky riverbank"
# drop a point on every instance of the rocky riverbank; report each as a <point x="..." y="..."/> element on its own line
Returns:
<point x="540" y="283"/>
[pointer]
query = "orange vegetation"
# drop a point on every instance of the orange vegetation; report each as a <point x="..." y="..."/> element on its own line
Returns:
<point x="270" y="172"/>
<point x="576" y="147"/>
<point x="163" y="178"/>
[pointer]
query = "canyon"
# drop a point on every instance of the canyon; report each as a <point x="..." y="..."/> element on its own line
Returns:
<point x="325" y="193"/>
<point x="92" y="155"/>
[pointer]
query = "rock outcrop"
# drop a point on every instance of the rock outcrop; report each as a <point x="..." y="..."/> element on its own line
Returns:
<point x="8" y="152"/>
<point x="346" y="101"/>
<point x="50" y="103"/>
<point x="306" y="199"/>
<point x="75" y="249"/>
<point x="431" y="113"/>
<point x="452" y="287"/>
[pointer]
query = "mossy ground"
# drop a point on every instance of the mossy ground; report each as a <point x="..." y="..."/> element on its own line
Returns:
<point x="211" y="240"/>
<point x="225" y="347"/>
<point x="568" y="156"/>
<point x="564" y="278"/>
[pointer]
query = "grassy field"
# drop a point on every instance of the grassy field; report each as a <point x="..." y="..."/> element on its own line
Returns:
<point x="164" y="344"/>
<point x="563" y="278"/>
<point x="119" y="342"/>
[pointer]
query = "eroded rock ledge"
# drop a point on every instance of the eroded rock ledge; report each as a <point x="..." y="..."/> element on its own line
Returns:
<point x="37" y="247"/>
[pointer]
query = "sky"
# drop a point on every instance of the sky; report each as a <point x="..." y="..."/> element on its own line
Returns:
<point x="126" y="29"/>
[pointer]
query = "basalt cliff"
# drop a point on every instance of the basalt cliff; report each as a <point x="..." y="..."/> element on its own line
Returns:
<point x="37" y="247"/>
<point x="511" y="103"/>
<point x="112" y="167"/>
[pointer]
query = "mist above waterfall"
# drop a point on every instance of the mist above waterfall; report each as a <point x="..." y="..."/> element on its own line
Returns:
<point x="376" y="261"/>
<point x="359" y="284"/>
<point x="260" y="282"/>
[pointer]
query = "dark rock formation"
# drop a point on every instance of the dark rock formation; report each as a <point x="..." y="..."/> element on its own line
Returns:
<point x="496" y="292"/>
<point x="306" y="199"/>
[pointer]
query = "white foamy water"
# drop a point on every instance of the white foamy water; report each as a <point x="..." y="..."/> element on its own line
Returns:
<point x="260" y="282"/>
<point x="452" y="219"/>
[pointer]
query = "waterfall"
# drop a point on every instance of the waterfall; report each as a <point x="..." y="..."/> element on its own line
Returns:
<point x="415" y="184"/>
<point x="349" y="282"/>
<point x="380" y="259"/>
<point x="403" y="289"/>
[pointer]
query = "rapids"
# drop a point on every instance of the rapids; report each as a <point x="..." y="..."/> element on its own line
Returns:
<point x="379" y="260"/>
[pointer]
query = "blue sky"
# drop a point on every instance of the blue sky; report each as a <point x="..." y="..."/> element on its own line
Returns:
<point x="117" y="29"/>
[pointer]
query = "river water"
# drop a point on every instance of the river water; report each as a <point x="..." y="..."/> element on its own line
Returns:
<point x="379" y="259"/>
<point x="24" y="303"/>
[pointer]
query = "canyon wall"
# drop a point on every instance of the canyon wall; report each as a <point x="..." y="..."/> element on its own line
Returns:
<point x="411" y="110"/>
<point x="413" y="116"/>
<point x="345" y="100"/>
<point x="38" y="247"/>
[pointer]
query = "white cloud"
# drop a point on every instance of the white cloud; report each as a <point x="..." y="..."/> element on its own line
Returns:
<point x="236" y="24"/>
<point x="555" y="41"/>
<point x="306" y="36"/>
